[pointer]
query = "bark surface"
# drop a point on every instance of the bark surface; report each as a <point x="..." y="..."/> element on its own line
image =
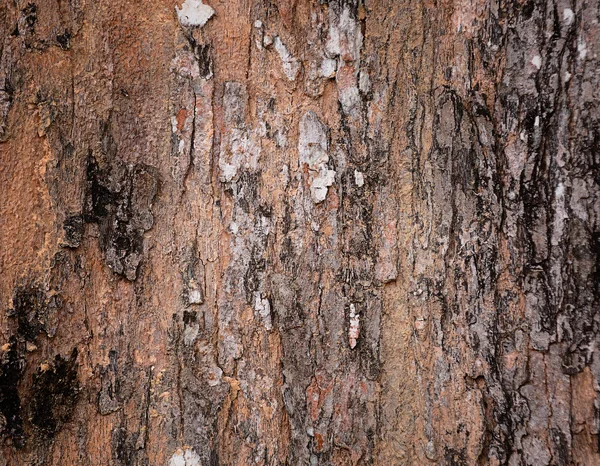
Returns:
<point x="301" y="232"/>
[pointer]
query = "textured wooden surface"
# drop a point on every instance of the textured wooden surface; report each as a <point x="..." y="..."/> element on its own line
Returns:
<point x="299" y="232"/>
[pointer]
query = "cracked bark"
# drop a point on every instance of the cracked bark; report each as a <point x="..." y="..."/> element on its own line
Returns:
<point x="336" y="232"/>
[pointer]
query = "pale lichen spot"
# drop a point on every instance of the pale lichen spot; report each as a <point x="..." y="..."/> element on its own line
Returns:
<point x="228" y="171"/>
<point x="364" y="82"/>
<point x="195" y="297"/>
<point x="319" y="185"/>
<point x="537" y="61"/>
<point x="214" y="376"/>
<point x="285" y="174"/>
<point x="359" y="178"/>
<point x="291" y="66"/>
<point x="313" y="150"/>
<point x="185" y="457"/>
<point x="328" y="67"/>
<point x="354" y="328"/>
<point x="345" y="37"/>
<point x="582" y="49"/>
<point x="349" y="97"/>
<point x="420" y="323"/>
<point x="263" y="307"/>
<point x="194" y="13"/>
<point x="568" y="15"/>
<point x="190" y="334"/>
<point x="312" y="143"/>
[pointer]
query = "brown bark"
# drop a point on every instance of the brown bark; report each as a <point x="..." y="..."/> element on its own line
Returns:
<point x="300" y="232"/>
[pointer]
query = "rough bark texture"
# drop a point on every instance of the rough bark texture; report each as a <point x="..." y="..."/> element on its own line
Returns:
<point x="299" y="232"/>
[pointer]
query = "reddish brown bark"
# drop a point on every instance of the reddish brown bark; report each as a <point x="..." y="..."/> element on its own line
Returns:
<point x="302" y="232"/>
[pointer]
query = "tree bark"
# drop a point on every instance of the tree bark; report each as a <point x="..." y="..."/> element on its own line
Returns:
<point x="303" y="232"/>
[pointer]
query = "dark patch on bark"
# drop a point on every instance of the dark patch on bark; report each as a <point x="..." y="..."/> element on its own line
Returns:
<point x="119" y="200"/>
<point x="189" y="317"/>
<point x="109" y="394"/>
<point x="123" y="446"/>
<point x="73" y="228"/>
<point x="205" y="64"/>
<point x="29" y="308"/>
<point x="193" y="279"/>
<point x="30" y="16"/>
<point x="6" y="99"/>
<point x="454" y="457"/>
<point x="253" y="276"/>
<point x="32" y="308"/>
<point x="64" y="40"/>
<point x="12" y="366"/>
<point x="55" y="390"/>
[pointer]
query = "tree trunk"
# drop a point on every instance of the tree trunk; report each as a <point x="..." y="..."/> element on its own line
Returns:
<point x="299" y="232"/>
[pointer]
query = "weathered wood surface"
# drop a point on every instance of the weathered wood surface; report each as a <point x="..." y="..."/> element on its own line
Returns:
<point x="299" y="232"/>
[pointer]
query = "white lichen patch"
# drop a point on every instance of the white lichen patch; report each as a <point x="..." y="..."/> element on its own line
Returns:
<point x="194" y="13"/>
<point x="568" y="15"/>
<point x="185" y="457"/>
<point x="185" y="65"/>
<point x="190" y="334"/>
<point x="195" y="296"/>
<point x="214" y="376"/>
<point x="328" y="67"/>
<point x="359" y="178"/>
<point x="537" y="61"/>
<point x="291" y="66"/>
<point x="582" y="49"/>
<point x="345" y="37"/>
<point x="345" y="41"/>
<point x="241" y="151"/>
<point x="313" y="151"/>
<point x="364" y="82"/>
<point x="228" y="171"/>
<point x="349" y="97"/>
<point x="354" y="328"/>
<point x="263" y="307"/>
<point x="319" y="185"/>
<point x="280" y="138"/>
<point x="560" y="214"/>
<point x="420" y="323"/>
<point x="312" y="143"/>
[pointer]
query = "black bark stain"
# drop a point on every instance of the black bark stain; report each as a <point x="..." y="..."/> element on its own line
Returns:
<point x="55" y="391"/>
<point x="29" y="307"/>
<point x="73" y="227"/>
<point x="119" y="200"/>
<point x="47" y="401"/>
<point x="64" y="40"/>
<point x="30" y="16"/>
<point x="12" y="365"/>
